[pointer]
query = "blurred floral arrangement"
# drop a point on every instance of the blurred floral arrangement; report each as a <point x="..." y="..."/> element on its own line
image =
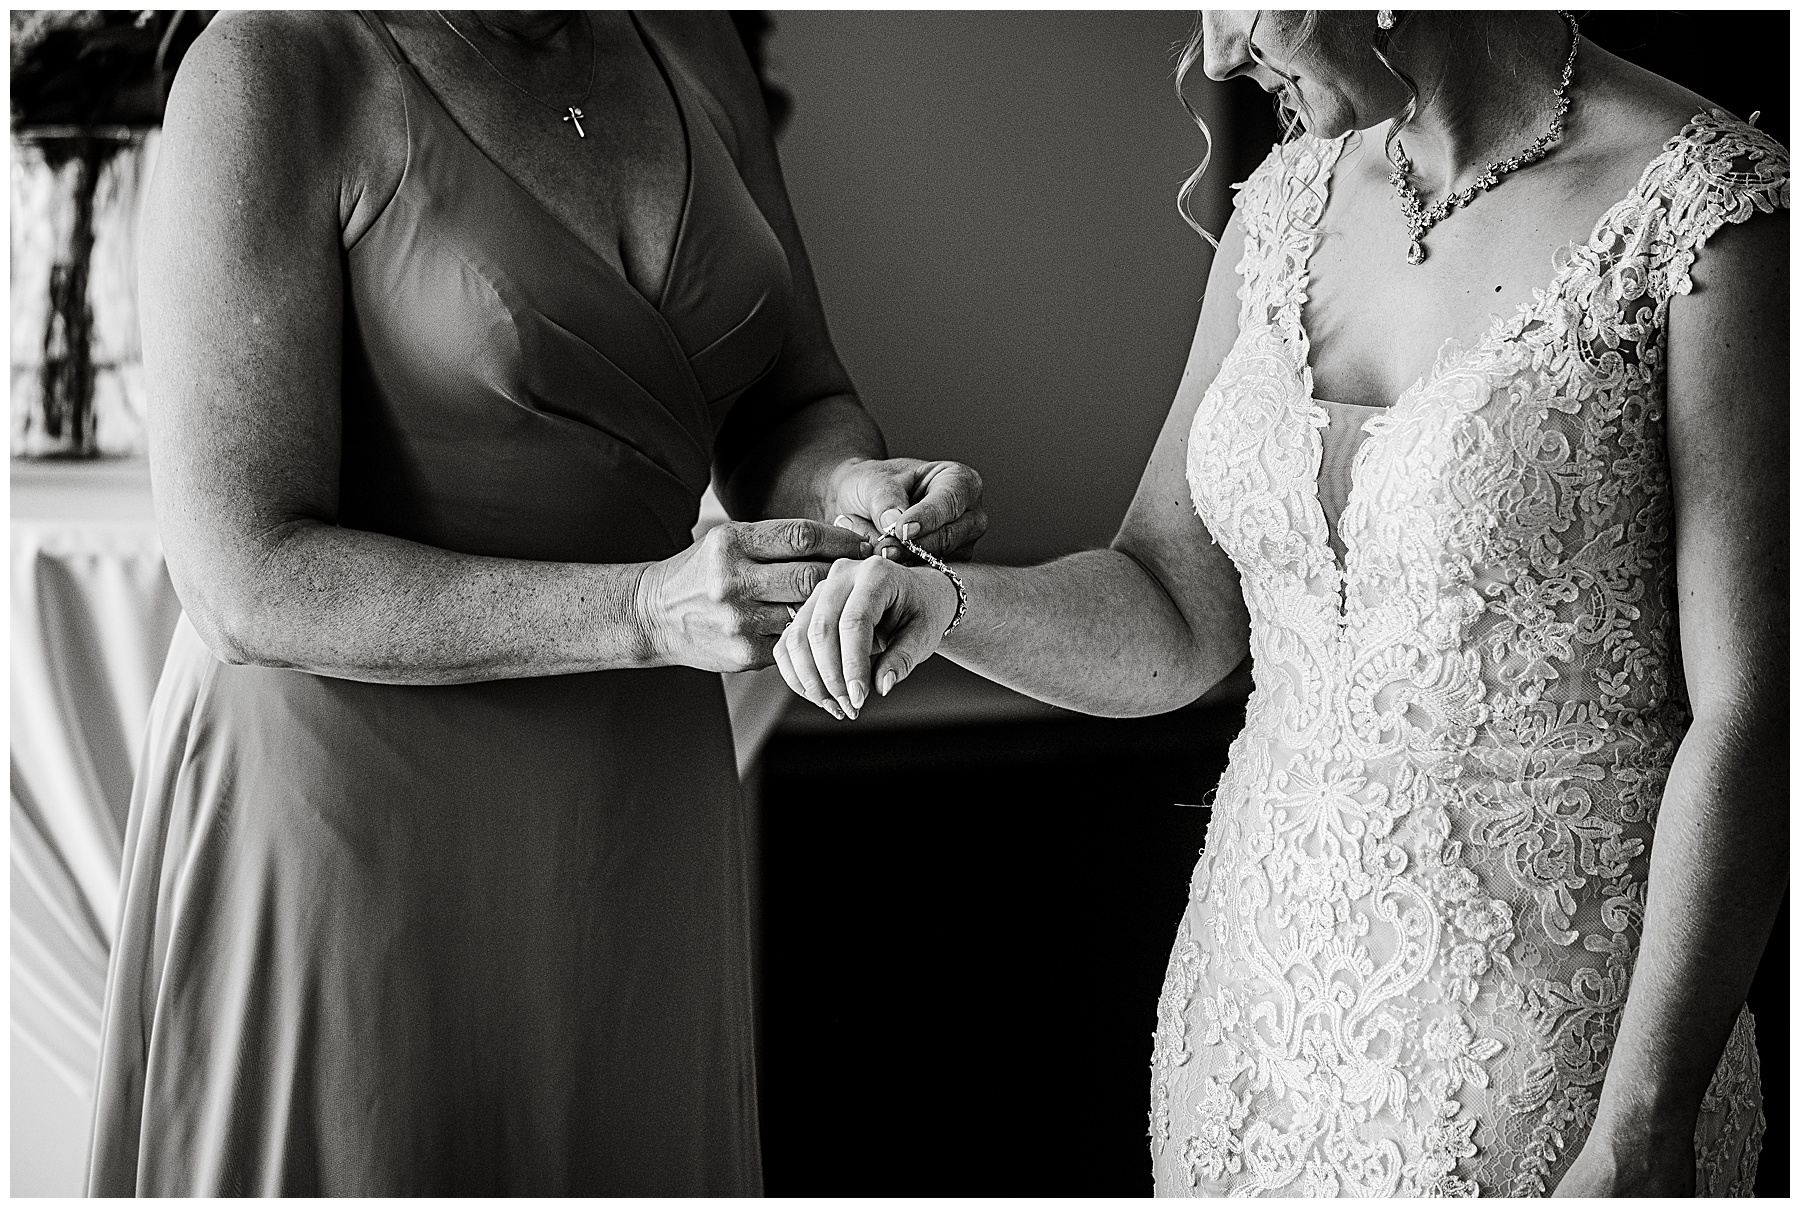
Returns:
<point x="88" y="90"/>
<point x="89" y="67"/>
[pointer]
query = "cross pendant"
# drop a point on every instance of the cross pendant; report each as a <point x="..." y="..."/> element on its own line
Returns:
<point x="575" y="115"/>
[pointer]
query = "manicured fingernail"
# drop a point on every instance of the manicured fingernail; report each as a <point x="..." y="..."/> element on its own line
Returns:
<point x="844" y="522"/>
<point x="890" y="552"/>
<point x="830" y="707"/>
<point x="912" y="530"/>
<point x="859" y="692"/>
<point x="890" y="518"/>
<point x="867" y="549"/>
<point x="887" y="682"/>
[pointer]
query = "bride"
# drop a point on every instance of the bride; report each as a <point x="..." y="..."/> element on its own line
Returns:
<point x="1481" y="454"/>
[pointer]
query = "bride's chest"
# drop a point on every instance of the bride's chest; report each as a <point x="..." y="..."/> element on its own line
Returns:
<point x="1529" y="462"/>
<point x="1508" y="460"/>
<point x="1375" y="322"/>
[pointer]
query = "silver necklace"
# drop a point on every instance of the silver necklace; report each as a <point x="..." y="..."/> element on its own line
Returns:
<point x="568" y="113"/>
<point x="1420" y="218"/>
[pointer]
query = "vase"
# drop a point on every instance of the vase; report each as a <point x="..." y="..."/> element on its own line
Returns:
<point x="77" y="366"/>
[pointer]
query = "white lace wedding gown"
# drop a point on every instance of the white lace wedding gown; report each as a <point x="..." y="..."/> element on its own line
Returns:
<point x="1410" y="935"/>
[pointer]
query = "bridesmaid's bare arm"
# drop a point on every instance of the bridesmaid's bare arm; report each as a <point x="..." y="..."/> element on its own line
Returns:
<point x="278" y="149"/>
<point x="1719" y="867"/>
<point x="799" y="443"/>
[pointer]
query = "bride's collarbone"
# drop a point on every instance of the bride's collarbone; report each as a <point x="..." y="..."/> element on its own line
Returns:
<point x="1375" y="324"/>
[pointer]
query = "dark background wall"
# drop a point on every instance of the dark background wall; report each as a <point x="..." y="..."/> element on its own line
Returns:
<point x="988" y="198"/>
<point x="1736" y="59"/>
<point x="965" y="926"/>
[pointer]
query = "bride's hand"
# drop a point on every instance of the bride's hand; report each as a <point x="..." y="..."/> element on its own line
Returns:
<point x="936" y="503"/>
<point x="869" y="623"/>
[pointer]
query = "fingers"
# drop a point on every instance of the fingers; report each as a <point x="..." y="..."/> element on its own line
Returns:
<point x="909" y="646"/>
<point x="803" y="680"/>
<point x="785" y="665"/>
<point x="765" y="620"/>
<point x="780" y="582"/>
<point x="886" y="494"/>
<point x="823" y="612"/>
<point x="888" y="503"/>
<point x="860" y="525"/>
<point x="881" y="490"/>
<point x="793" y="654"/>
<point x="883" y="545"/>
<point x="785" y="540"/>
<point x="946" y="494"/>
<point x="870" y="596"/>
<point x="951" y="489"/>
<point x="834" y="652"/>
<point x="957" y="539"/>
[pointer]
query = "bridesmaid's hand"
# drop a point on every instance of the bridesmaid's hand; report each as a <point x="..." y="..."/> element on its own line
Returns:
<point x="720" y="604"/>
<point x="861" y="609"/>
<point x="937" y="502"/>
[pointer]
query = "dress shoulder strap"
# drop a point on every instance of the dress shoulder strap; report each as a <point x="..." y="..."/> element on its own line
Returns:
<point x="1717" y="170"/>
<point x="676" y="71"/>
<point x="383" y="35"/>
<point x="1279" y="208"/>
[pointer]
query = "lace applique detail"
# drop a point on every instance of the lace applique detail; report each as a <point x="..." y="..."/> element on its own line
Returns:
<point x="1412" y="929"/>
<point x="1729" y="1139"/>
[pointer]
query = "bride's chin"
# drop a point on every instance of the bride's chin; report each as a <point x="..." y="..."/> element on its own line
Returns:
<point x="1327" y="114"/>
<point x="1319" y="125"/>
<point x="1325" y="128"/>
<point x="1313" y="127"/>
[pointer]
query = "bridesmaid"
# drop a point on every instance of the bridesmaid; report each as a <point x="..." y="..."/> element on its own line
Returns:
<point x="434" y="878"/>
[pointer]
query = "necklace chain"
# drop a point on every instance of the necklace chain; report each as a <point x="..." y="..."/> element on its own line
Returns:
<point x="1420" y="218"/>
<point x="568" y="113"/>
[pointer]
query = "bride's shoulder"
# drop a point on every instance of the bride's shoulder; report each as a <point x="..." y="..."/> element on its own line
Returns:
<point x="1635" y="115"/>
<point x="1678" y="159"/>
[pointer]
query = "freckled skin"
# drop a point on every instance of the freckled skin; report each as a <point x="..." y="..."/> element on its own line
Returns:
<point x="284" y="139"/>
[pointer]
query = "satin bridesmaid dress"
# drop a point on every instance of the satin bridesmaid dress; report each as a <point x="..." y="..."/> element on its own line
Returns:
<point x="487" y="938"/>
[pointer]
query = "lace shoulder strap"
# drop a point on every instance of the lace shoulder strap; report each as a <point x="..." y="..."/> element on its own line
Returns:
<point x="1717" y="170"/>
<point x="1279" y="208"/>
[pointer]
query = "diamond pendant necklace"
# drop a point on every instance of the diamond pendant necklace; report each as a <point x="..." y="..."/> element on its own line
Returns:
<point x="1420" y="218"/>
<point x="568" y="113"/>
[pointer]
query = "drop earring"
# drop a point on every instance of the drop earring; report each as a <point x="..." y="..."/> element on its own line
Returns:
<point x="1384" y="18"/>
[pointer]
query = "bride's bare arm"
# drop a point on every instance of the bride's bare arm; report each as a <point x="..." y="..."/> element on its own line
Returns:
<point x="1719" y="867"/>
<point x="1142" y="627"/>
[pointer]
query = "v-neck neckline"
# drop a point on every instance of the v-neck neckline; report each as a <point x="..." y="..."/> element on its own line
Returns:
<point x="617" y="272"/>
<point x="1498" y="321"/>
<point x="1318" y="416"/>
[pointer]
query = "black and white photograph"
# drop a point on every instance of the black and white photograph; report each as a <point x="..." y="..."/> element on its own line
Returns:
<point x="900" y="603"/>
